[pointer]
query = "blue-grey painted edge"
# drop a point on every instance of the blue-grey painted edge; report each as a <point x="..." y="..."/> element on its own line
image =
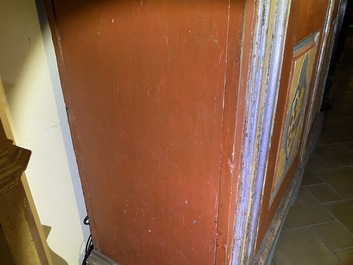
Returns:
<point x="268" y="110"/>
<point x="327" y="56"/>
<point x="261" y="105"/>
<point x="243" y="214"/>
<point x="311" y="38"/>
<point x="320" y="78"/>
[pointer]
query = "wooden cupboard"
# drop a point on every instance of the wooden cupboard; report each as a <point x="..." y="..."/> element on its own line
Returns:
<point x="192" y="121"/>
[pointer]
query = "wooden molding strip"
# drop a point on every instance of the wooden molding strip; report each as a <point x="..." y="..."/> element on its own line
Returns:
<point x="13" y="161"/>
<point x="269" y="35"/>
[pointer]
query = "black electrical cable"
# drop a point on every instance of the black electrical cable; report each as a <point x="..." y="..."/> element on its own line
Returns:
<point x="86" y="220"/>
<point x="89" y="243"/>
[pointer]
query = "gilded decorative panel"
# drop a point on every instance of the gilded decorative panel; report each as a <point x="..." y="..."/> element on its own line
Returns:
<point x="302" y="66"/>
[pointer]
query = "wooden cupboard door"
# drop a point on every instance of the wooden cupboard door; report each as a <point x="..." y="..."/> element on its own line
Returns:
<point x="144" y="83"/>
<point x="301" y="52"/>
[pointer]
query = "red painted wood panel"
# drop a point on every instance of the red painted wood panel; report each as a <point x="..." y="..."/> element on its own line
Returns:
<point x="145" y="85"/>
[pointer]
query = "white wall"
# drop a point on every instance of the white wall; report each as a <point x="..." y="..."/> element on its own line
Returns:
<point x="36" y="111"/>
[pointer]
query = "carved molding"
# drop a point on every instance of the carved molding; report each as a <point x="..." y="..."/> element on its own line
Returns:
<point x="266" y="64"/>
<point x="322" y="68"/>
<point x="13" y="161"/>
<point x="19" y="232"/>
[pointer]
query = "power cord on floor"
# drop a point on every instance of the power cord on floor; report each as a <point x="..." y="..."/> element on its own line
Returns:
<point x="89" y="243"/>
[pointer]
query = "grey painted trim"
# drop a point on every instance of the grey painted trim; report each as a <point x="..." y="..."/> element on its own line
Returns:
<point x="244" y="208"/>
<point x="262" y="92"/>
<point x="97" y="258"/>
<point x="322" y="72"/>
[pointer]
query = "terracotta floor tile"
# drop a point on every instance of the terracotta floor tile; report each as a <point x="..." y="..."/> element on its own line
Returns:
<point x="346" y="256"/>
<point x="335" y="155"/>
<point x="343" y="212"/>
<point x="345" y="106"/>
<point x="328" y="237"/>
<point x="306" y="211"/>
<point x="340" y="179"/>
<point x="316" y="163"/>
<point x="310" y="178"/>
<point x="330" y="121"/>
<point x="324" y="193"/>
<point x="349" y="145"/>
<point x="332" y="136"/>
<point x="303" y="247"/>
<point x="335" y="236"/>
<point x="344" y="122"/>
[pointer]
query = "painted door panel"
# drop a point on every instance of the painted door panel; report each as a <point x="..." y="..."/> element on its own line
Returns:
<point x="160" y="108"/>
<point x="144" y="83"/>
<point x="304" y="38"/>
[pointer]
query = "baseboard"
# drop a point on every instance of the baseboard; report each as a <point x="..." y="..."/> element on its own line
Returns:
<point x="97" y="258"/>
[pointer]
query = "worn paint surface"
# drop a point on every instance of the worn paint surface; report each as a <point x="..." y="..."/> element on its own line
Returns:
<point x="323" y="66"/>
<point x="145" y="86"/>
<point x="312" y="15"/>
<point x="302" y="66"/>
<point x="269" y="23"/>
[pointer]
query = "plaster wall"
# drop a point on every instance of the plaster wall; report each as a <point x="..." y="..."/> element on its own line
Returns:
<point x="31" y="99"/>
